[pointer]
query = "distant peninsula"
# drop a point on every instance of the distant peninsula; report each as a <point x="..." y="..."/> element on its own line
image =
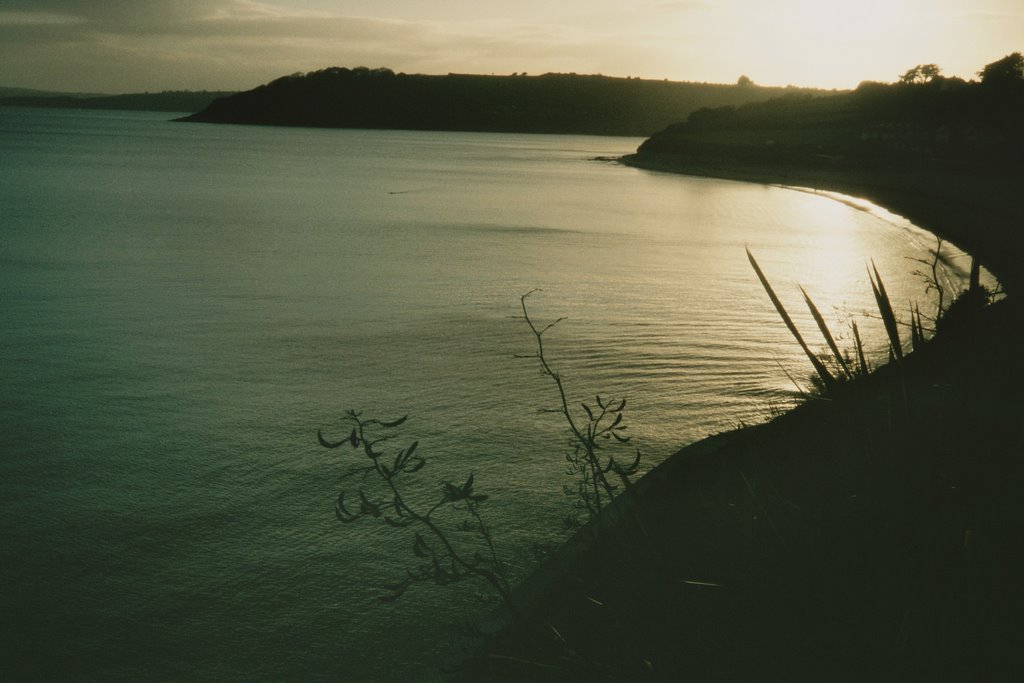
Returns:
<point x="946" y="151"/>
<point x="550" y="103"/>
<point x="167" y="101"/>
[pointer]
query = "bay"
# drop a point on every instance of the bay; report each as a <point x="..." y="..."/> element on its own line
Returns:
<point x="185" y="305"/>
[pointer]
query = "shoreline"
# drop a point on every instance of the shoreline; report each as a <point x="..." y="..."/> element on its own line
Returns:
<point x="979" y="215"/>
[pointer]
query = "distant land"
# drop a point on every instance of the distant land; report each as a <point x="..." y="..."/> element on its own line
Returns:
<point x="29" y="92"/>
<point x="946" y="151"/>
<point x="169" y="101"/>
<point x="550" y="103"/>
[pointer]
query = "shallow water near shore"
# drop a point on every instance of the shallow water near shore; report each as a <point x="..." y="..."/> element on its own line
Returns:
<point x="184" y="305"/>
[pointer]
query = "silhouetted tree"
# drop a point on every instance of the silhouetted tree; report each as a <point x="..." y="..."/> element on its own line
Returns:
<point x="744" y="81"/>
<point x="1009" y="69"/>
<point x="922" y="73"/>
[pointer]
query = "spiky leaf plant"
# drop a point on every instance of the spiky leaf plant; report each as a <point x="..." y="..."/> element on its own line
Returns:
<point x="827" y="380"/>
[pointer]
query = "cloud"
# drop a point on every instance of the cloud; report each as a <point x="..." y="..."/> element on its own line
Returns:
<point x="123" y="45"/>
<point x="119" y="45"/>
<point x="119" y="11"/>
<point x="36" y="19"/>
<point x="146" y="45"/>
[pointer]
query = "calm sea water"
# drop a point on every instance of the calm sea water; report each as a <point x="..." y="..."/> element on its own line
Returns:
<point x="184" y="305"/>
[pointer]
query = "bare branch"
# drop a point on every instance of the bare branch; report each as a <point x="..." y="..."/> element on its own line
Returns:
<point x="593" y="489"/>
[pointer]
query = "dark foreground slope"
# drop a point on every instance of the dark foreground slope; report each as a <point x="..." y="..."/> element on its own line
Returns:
<point x="552" y="103"/>
<point x="877" y="536"/>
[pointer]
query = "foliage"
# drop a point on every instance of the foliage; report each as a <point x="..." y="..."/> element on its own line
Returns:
<point x="931" y="277"/>
<point x="439" y="560"/>
<point x="591" y="430"/>
<point x="1006" y="71"/>
<point x="827" y="380"/>
<point x="922" y="73"/>
<point x="964" y="311"/>
<point x="886" y="311"/>
<point x="843" y="366"/>
<point x="960" y="314"/>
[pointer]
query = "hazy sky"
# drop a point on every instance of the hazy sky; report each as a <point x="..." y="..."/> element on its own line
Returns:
<point x="136" y="45"/>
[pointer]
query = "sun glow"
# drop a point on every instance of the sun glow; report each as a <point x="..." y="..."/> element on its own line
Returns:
<point x="831" y="44"/>
<point x="828" y="268"/>
<point x="842" y="22"/>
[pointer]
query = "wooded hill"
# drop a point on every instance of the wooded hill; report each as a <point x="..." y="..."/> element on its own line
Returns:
<point x="550" y="103"/>
<point x="976" y="126"/>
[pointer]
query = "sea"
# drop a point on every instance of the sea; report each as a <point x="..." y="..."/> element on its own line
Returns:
<point x="184" y="306"/>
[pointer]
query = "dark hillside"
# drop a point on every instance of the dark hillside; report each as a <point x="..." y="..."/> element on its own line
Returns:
<point x="552" y="103"/>
<point x="872" y="537"/>
<point x="947" y="120"/>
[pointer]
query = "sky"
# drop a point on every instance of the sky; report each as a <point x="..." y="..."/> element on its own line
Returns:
<point x="152" y="45"/>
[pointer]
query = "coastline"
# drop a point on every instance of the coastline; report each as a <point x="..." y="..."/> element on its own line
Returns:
<point x="820" y="543"/>
<point x="982" y="215"/>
